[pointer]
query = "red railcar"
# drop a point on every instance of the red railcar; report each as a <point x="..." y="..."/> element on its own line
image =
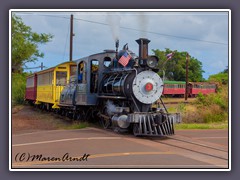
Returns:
<point x="201" y="87"/>
<point x="174" y="88"/>
<point x="31" y="88"/>
<point x="177" y="88"/>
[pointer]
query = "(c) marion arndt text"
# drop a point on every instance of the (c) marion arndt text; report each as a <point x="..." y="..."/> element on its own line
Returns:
<point x="27" y="157"/>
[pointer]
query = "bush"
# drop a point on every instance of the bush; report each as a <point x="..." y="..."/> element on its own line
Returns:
<point x="18" y="88"/>
<point x="201" y="98"/>
<point x="213" y="107"/>
<point x="209" y="108"/>
<point x="220" y="98"/>
<point x="214" y="113"/>
<point x="220" y="78"/>
<point x="181" y="107"/>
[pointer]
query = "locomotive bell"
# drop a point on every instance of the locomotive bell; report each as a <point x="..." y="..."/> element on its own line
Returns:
<point x="143" y="50"/>
<point x="121" y="52"/>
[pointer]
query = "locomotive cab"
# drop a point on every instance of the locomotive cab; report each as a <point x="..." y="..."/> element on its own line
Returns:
<point x="88" y="76"/>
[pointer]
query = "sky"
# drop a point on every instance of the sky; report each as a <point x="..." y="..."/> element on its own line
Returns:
<point x="203" y="34"/>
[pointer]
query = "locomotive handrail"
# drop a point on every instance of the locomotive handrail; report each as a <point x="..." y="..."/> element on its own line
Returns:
<point x="117" y="70"/>
<point x="112" y="97"/>
<point x="108" y="82"/>
<point x="114" y="82"/>
<point x="123" y="78"/>
<point x="136" y="75"/>
<point x="135" y="103"/>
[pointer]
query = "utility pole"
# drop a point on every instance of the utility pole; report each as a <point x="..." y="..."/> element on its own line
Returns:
<point x="186" y="88"/>
<point x="71" y="37"/>
<point x="41" y="65"/>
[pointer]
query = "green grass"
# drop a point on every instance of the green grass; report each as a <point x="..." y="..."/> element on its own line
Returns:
<point x="77" y="125"/>
<point x="201" y="126"/>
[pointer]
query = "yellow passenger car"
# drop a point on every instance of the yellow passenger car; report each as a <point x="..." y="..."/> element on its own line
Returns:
<point x="50" y="83"/>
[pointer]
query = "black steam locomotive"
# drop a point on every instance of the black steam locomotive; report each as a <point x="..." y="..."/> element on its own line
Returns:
<point x="119" y="88"/>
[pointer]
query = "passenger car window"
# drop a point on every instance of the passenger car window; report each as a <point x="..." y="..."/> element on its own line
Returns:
<point x="107" y="62"/>
<point x="82" y="73"/>
<point x="61" y="77"/>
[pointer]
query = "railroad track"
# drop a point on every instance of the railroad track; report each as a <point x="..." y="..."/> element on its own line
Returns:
<point x="184" y="102"/>
<point x="191" y="146"/>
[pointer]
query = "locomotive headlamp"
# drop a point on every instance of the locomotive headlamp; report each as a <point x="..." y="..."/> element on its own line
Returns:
<point x="152" y="61"/>
<point x="149" y="87"/>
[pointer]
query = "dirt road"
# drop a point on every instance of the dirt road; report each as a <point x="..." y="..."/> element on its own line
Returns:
<point x="29" y="119"/>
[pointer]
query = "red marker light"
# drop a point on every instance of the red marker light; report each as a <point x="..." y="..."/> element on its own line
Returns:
<point x="149" y="87"/>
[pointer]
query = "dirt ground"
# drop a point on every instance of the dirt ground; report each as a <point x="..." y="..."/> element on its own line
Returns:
<point x="29" y="119"/>
<point x="26" y="118"/>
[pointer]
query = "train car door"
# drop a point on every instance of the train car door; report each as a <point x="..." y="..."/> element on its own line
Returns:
<point x="189" y="89"/>
<point x="81" y="94"/>
<point x="94" y="76"/>
<point x="35" y="86"/>
<point x="61" y="81"/>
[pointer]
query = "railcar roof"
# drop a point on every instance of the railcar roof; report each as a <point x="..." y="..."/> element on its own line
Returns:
<point x="51" y="68"/>
<point x="100" y="53"/>
<point x="174" y="82"/>
<point x="201" y="83"/>
<point x="30" y="75"/>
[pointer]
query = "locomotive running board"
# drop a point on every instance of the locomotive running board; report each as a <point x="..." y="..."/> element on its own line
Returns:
<point x="146" y="124"/>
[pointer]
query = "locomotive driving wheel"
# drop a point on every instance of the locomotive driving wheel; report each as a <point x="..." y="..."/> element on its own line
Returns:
<point x="105" y="123"/>
<point x="75" y="115"/>
<point x="81" y="115"/>
<point x="105" y="119"/>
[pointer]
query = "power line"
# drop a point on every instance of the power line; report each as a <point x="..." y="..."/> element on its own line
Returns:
<point x="139" y="30"/>
<point x="181" y="37"/>
<point x="41" y="66"/>
<point x="151" y="32"/>
<point x="34" y="67"/>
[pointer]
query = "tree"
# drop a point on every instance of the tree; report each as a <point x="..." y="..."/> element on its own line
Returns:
<point x="225" y="70"/>
<point x="175" y="68"/>
<point x="25" y="44"/>
<point x="220" y="78"/>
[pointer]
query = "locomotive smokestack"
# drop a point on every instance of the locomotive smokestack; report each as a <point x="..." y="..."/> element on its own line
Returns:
<point x="143" y="50"/>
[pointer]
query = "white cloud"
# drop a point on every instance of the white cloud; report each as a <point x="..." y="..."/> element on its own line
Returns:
<point x="92" y="37"/>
